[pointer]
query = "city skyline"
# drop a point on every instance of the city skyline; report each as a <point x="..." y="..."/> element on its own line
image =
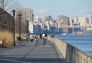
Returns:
<point x="59" y="7"/>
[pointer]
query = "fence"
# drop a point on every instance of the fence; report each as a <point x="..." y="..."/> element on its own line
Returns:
<point x="70" y="53"/>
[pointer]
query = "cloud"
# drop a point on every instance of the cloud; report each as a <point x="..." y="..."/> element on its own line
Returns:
<point x="42" y="11"/>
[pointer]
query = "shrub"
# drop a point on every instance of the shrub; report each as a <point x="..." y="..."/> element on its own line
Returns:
<point x="7" y="38"/>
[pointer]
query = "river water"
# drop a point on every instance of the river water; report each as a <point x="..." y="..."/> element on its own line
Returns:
<point x="82" y="42"/>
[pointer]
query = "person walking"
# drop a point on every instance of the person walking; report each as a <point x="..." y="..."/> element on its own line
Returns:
<point x="31" y="37"/>
<point x="40" y="36"/>
<point x="44" y="39"/>
<point x="36" y="39"/>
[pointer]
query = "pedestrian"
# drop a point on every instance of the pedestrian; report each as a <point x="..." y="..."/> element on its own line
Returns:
<point x="31" y="37"/>
<point x="44" y="39"/>
<point x="40" y="36"/>
<point x="36" y="40"/>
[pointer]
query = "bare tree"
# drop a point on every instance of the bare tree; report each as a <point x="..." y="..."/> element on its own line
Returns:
<point x="9" y="5"/>
<point x="1" y="3"/>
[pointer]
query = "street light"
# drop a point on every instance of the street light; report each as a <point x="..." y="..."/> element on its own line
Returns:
<point x="13" y="25"/>
<point x="19" y="17"/>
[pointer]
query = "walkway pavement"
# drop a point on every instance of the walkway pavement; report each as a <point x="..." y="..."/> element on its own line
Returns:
<point x="29" y="52"/>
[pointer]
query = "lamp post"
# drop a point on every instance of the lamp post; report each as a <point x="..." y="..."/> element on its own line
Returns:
<point x="19" y="17"/>
<point x="13" y="25"/>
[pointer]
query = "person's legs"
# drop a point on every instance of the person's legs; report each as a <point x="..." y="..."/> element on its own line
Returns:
<point x="31" y="40"/>
<point x="44" y="42"/>
<point x="36" y="42"/>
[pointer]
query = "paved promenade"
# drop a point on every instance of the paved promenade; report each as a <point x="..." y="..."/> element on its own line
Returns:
<point x="29" y="52"/>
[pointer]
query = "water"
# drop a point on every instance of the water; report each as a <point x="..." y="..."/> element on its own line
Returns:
<point x="82" y="42"/>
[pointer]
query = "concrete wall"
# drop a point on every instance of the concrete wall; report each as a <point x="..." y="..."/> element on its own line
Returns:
<point x="70" y="53"/>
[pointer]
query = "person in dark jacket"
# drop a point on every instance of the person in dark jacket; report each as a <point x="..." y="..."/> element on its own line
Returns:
<point x="40" y="36"/>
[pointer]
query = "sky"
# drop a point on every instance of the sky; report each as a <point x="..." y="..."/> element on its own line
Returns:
<point x="68" y="8"/>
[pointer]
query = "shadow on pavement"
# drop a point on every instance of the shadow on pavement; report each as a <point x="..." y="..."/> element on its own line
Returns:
<point x="31" y="60"/>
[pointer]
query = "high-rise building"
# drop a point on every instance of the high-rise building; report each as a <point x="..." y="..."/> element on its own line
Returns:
<point x="27" y="14"/>
<point x="90" y="18"/>
<point x="82" y="21"/>
<point x="47" y="22"/>
<point x="26" y="18"/>
<point x="74" y="21"/>
<point x="63" y="21"/>
<point x="37" y="19"/>
<point x="89" y="22"/>
<point x="47" y="18"/>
